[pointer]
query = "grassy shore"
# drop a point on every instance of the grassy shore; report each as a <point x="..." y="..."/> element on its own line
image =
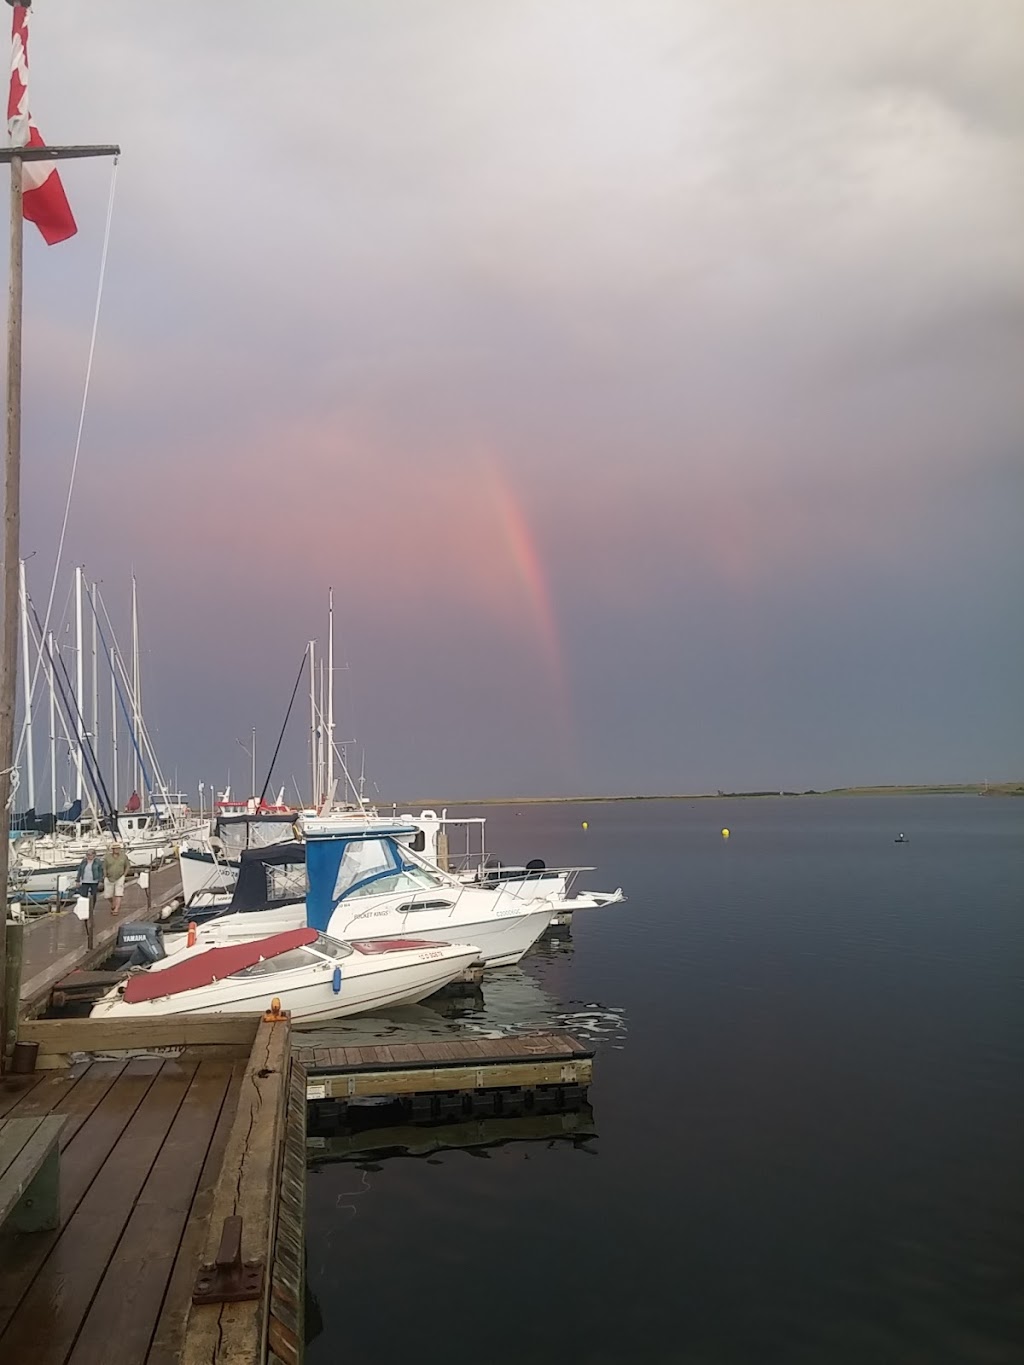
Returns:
<point x="934" y="789"/>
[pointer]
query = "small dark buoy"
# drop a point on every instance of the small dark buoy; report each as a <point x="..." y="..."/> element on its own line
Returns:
<point x="901" y="838"/>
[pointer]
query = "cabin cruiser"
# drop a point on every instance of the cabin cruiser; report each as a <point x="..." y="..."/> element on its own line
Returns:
<point x="307" y="974"/>
<point x="365" y="882"/>
<point x="209" y="877"/>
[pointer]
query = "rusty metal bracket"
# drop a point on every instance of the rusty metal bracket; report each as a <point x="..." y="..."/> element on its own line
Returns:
<point x="229" y="1279"/>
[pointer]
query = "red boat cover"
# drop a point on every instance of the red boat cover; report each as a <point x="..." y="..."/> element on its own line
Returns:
<point x="203" y="969"/>
<point x="395" y="945"/>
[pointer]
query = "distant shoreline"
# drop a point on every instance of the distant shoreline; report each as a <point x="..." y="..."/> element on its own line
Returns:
<point x="935" y="789"/>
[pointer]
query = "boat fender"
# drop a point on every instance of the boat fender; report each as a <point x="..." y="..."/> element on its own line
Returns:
<point x="192" y="931"/>
<point x="336" y="981"/>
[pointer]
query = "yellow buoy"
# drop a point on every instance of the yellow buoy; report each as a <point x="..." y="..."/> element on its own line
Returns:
<point x="725" y="834"/>
<point x="586" y="824"/>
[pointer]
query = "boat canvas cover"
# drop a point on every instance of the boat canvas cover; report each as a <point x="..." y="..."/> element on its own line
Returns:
<point x="253" y="831"/>
<point x="255" y="876"/>
<point x="213" y="965"/>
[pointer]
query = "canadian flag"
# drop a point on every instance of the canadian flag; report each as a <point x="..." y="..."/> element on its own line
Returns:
<point x="43" y="198"/>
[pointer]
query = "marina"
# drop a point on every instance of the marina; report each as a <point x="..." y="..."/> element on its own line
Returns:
<point x="567" y="399"/>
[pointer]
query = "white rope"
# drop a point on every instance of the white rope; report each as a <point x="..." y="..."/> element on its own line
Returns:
<point x="81" y="422"/>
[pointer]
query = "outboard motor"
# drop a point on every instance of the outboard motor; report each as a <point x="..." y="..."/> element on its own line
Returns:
<point x="138" y="945"/>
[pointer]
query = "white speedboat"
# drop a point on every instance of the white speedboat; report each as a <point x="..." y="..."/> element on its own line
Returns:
<point x="311" y="975"/>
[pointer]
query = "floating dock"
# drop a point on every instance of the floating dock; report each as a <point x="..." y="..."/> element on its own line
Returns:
<point x="467" y="1068"/>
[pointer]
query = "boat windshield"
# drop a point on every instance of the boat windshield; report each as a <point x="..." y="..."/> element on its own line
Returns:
<point x="409" y="879"/>
<point x="331" y="947"/>
<point x="283" y="962"/>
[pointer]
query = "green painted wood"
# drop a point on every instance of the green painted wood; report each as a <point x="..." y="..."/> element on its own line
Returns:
<point x="30" y="1182"/>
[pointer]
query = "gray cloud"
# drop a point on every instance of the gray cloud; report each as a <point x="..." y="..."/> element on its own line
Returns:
<point x="700" y="276"/>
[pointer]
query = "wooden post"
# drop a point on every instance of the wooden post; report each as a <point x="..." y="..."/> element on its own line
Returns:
<point x="15" y="943"/>
<point x="11" y="555"/>
<point x="442" y="850"/>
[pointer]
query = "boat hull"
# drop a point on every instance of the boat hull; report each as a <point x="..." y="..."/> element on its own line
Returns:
<point x="310" y="994"/>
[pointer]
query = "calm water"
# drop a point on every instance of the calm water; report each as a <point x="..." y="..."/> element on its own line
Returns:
<point x="807" y="1118"/>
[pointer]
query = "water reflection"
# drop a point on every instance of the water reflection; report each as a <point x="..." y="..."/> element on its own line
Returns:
<point x="474" y="1134"/>
<point x="510" y="1001"/>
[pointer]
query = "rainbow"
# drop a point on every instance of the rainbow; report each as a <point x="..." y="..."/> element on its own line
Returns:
<point x="520" y="546"/>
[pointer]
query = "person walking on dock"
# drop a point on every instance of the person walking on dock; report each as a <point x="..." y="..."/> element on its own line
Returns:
<point x="90" y="875"/>
<point x="115" y="869"/>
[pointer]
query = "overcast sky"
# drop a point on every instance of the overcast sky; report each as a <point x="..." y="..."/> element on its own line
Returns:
<point x="645" y="377"/>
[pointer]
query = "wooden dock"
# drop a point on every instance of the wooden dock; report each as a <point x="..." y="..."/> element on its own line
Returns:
<point x="167" y="1164"/>
<point x="55" y="944"/>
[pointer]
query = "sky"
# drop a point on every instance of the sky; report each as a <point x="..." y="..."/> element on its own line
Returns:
<point x="644" y="378"/>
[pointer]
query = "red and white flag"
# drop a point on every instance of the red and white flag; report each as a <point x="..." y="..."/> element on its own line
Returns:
<point x="43" y="197"/>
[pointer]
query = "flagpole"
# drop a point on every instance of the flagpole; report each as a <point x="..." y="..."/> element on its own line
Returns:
<point x="16" y="156"/>
<point x="11" y="562"/>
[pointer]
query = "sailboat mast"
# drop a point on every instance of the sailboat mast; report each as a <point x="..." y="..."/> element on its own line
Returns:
<point x="330" y="695"/>
<point x="94" y="727"/>
<point x="26" y="674"/>
<point x="79" y="718"/>
<point x="312" y="723"/>
<point x="136" y="706"/>
<point x="113" y="733"/>
<point x="53" y="723"/>
<point x="321" y="731"/>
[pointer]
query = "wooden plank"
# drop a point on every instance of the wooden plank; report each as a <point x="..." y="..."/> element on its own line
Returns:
<point x="14" y="1088"/>
<point x="322" y="1055"/>
<point x="46" y="1322"/>
<point x="80" y="1099"/>
<point x="233" y="1333"/>
<point x="433" y="1052"/>
<point x="485" y="1076"/>
<point x="169" y="1336"/>
<point x="80" y="1162"/>
<point x="128" y="1301"/>
<point x="113" y="1035"/>
<point x="52" y="1088"/>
